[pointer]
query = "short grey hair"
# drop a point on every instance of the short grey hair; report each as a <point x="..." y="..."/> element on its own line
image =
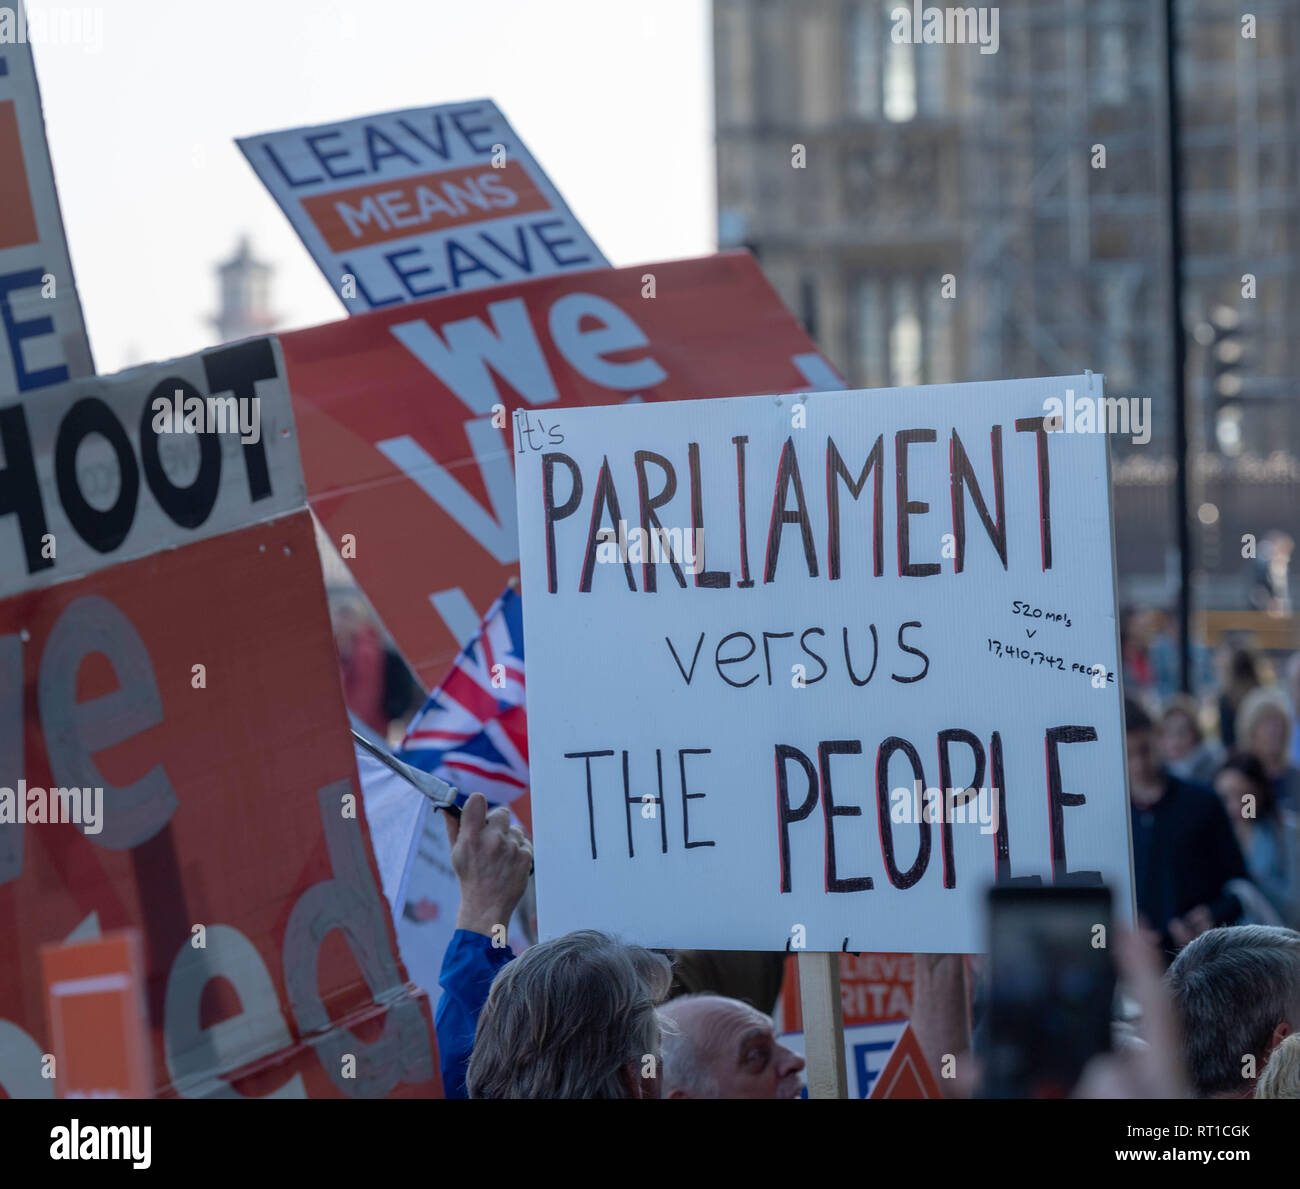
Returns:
<point x="683" y="1067"/>
<point x="1256" y="705"/>
<point x="1231" y="988"/>
<point x="564" y="1018"/>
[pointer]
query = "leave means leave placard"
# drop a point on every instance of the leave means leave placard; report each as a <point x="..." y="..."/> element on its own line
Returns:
<point x="420" y="203"/>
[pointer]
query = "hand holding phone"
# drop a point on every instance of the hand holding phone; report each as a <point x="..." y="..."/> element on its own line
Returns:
<point x="1051" y="988"/>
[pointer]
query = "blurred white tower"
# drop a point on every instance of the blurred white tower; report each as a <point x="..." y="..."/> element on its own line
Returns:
<point x="245" y="285"/>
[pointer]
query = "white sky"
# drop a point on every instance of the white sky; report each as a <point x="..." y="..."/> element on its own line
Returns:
<point x="614" y="98"/>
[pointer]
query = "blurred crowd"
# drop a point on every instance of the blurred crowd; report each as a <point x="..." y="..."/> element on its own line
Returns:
<point x="1214" y="781"/>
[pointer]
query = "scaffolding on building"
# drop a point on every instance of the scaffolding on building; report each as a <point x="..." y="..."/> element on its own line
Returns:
<point x="1067" y="235"/>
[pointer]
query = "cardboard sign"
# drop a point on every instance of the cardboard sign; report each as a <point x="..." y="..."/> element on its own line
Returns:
<point x="42" y="334"/>
<point x="866" y="1051"/>
<point x="814" y="671"/>
<point x="874" y="988"/>
<point x="876" y="997"/>
<point x="403" y="415"/>
<point x="94" y="991"/>
<point x="104" y="470"/>
<point x="174" y="750"/>
<point x="414" y="204"/>
<point x="907" y="1074"/>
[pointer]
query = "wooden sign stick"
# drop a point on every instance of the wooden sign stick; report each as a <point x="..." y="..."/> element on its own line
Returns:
<point x="823" y="1025"/>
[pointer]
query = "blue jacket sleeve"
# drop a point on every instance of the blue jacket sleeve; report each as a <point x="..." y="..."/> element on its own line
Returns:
<point x="468" y="968"/>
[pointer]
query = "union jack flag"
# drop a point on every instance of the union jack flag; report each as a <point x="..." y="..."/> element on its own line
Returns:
<point x="473" y="730"/>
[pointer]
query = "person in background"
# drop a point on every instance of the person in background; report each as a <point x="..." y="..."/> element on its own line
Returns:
<point x="1237" y="997"/>
<point x="1183" y="747"/>
<point x="715" y="1047"/>
<point x="573" y="1017"/>
<point x="1146" y="1062"/>
<point x="1293" y="688"/>
<point x="753" y="977"/>
<point x="1184" y="851"/>
<point x="1271" y="588"/>
<point x="377" y="686"/>
<point x="402" y="693"/>
<point x="1240" y="676"/>
<point x="492" y="860"/>
<point x="1134" y="626"/>
<point x="1149" y="645"/>
<point x="1162" y="652"/>
<point x="941" y="1019"/>
<point x="1264" y="730"/>
<point x="1281" y="1076"/>
<point x="361" y="666"/>
<point x="1265" y="832"/>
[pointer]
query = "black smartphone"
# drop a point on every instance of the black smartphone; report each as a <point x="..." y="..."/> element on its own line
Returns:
<point x="1050" y="988"/>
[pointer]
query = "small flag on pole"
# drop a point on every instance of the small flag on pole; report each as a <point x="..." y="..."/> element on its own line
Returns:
<point x="473" y="730"/>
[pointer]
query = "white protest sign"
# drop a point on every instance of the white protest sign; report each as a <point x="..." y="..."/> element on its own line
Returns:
<point x="42" y="334"/>
<point x="861" y="599"/>
<point x="418" y="203"/>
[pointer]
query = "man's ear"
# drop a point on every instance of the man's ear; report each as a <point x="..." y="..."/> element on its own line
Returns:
<point x="1280" y="1033"/>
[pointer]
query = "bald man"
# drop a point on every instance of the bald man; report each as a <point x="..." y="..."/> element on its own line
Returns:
<point x="714" y="1047"/>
